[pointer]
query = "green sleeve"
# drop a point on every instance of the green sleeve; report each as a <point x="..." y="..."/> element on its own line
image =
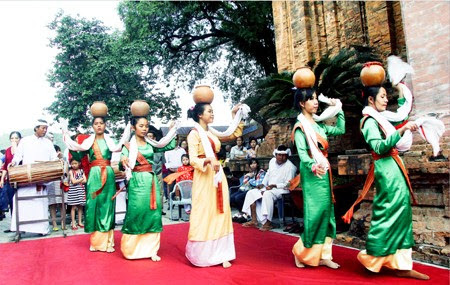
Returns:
<point x="372" y="135"/>
<point x="339" y="129"/>
<point x="169" y="146"/>
<point x="78" y="155"/>
<point x="302" y="149"/>
<point x="125" y="152"/>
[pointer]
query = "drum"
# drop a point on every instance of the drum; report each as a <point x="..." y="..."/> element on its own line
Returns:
<point x="119" y="174"/>
<point x="39" y="172"/>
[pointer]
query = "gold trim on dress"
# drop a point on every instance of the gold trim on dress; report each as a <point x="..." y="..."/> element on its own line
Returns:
<point x="140" y="246"/>
<point x="101" y="241"/>
<point x="312" y="256"/>
<point x="400" y="260"/>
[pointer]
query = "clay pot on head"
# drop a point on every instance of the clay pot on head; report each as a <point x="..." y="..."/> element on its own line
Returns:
<point x="203" y="94"/>
<point x="304" y="78"/>
<point x="140" y="108"/>
<point x="372" y="74"/>
<point x="99" y="109"/>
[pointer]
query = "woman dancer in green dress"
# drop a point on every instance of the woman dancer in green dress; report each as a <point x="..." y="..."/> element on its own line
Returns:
<point x="314" y="246"/>
<point x="101" y="186"/>
<point x="390" y="237"/>
<point x="142" y="225"/>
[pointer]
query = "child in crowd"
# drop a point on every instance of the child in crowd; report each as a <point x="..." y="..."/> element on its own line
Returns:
<point x="188" y="175"/>
<point x="76" y="197"/>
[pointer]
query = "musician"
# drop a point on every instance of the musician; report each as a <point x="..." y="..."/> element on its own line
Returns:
<point x="32" y="149"/>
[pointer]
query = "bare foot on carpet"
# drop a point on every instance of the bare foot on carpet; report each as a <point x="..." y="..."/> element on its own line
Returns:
<point x="110" y="249"/>
<point x="250" y="224"/>
<point x="156" y="258"/>
<point x="329" y="263"/>
<point x="298" y="263"/>
<point x="266" y="227"/>
<point x="411" y="274"/>
<point x="226" y="264"/>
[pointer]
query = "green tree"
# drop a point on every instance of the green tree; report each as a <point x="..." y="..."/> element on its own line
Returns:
<point x="229" y="42"/>
<point x="96" y="64"/>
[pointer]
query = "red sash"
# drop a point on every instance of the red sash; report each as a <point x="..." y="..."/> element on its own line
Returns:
<point x="102" y="163"/>
<point x="371" y="177"/>
<point x="294" y="183"/>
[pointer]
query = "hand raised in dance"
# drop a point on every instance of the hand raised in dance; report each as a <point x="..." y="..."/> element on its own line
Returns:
<point x="408" y="126"/>
<point x="235" y="109"/>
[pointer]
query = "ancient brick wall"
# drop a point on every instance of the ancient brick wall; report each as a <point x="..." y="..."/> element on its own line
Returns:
<point x="419" y="31"/>
<point x="306" y="30"/>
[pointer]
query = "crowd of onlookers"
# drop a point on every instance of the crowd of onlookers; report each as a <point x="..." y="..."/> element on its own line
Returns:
<point x="71" y="188"/>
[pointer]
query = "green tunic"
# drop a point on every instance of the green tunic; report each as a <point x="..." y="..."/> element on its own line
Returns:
<point x="100" y="211"/>
<point x="318" y="208"/>
<point x="140" y="219"/>
<point x="391" y="224"/>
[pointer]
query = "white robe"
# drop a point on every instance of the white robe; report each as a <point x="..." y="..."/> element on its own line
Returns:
<point x="278" y="175"/>
<point x="30" y="150"/>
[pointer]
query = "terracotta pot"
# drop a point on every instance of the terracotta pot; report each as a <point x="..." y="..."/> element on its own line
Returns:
<point x="99" y="109"/>
<point x="372" y="74"/>
<point x="140" y="108"/>
<point x="304" y="78"/>
<point x="203" y="94"/>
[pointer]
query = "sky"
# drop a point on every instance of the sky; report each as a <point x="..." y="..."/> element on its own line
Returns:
<point x="26" y="58"/>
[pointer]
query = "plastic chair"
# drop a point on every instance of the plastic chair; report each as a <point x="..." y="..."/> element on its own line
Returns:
<point x="285" y="198"/>
<point x="185" y="196"/>
<point x="233" y="189"/>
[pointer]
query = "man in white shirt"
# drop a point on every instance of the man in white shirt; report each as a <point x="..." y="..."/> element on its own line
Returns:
<point x="259" y="202"/>
<point x="32" y="149"/>
<point x="238" y="151"/>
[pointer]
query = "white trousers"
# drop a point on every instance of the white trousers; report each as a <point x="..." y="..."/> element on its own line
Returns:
<point x="264" y="203"/>
<point x="34" y="209"/>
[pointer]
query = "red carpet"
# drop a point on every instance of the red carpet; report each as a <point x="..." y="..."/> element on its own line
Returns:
<point x="262" y="258"/>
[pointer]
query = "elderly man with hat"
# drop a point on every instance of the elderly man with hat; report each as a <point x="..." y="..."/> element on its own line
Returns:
<point x="32" y="149"/>
<point x="259" y="202"/>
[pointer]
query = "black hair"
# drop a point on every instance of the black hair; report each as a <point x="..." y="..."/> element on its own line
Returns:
<point x="184" y="155"/>
<point x="57" y="148"/>
<point x="198" y="109"/>
<point x="17" y="133"/>
<point x="183" y="140"/>
<point x="135" y="119"/>
<point x="252" y="139"/>
<point x="240" y="137"/>
<point x="103" y="118"/>
<point x="282" y="147"/>
<point x="74" y="159"/>
<point x="302" y="95"/>
<point x="254" y="160"/>
<point x="370" y="91"/>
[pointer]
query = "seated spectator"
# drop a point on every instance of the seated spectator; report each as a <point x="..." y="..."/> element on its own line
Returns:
<point x="251" y="180"/>
<point x="251" y="152"/>
<point x="259" y="202"/>
<point x="187" y="175"/>
<point x="238" y="151"/>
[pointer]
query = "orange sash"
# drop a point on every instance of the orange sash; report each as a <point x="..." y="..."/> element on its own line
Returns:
<point x="144" y="166"/>
<point x="295" y="182"/>
<point x="371" y="178"/>
<point x="169" y="179"/>
<point x="102" y="163"/>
